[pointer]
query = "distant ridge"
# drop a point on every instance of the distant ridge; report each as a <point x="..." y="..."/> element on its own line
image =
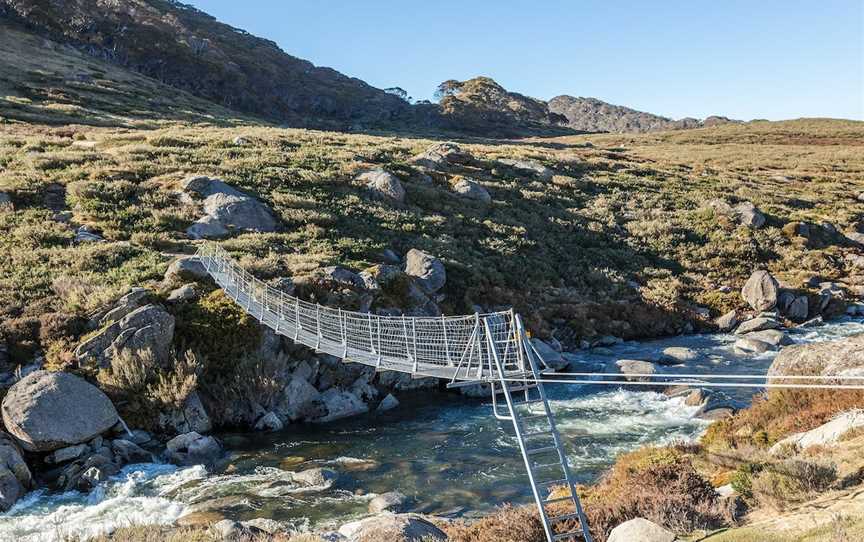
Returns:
<point x="593" y="115"/>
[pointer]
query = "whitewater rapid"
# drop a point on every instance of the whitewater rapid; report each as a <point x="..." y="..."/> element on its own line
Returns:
<point x="446" y="453"/>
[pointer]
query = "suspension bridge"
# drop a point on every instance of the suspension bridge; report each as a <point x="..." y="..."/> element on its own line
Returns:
<point x="491" y="348"/>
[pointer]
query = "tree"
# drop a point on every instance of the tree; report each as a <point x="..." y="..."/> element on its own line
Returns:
<point x="400" y="92"/>
<point x="447" y="88"/>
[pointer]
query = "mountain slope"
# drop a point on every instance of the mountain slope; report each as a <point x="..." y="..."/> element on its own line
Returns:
<point x="190" y="50"/>
<point x="593" y="115"/>
<point x="42" y="81"/>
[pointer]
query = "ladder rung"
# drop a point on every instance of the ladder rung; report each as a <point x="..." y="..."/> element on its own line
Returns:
<point x="562" y="536"/>
<point x="546" y="465"/>
<point x="542" y="450"/>
<point x="565" y="517"/>
<point x="523" y="388"/>
<point x="535" y="416"/>
<point x="552" y="483"/>
<point x="537" y="434"/>
<point x="558" y="499"/>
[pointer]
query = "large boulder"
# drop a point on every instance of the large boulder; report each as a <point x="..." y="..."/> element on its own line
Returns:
<point x="383" y="184"/>
<point x="146" y="328"/>
<point x="193" y="449"/>
<point x="427" y="270"/>
<point x="550" y="356"/>
<point x="15" y="477"/>
<point x="392" y="528"/>
<point x="640" y="530"/>
<point x="757" y="324"/>
<point x="527" y="167"/>
<point x="748" y="215"/>
<point x="226" y="210"/>
<point x="45" y="411"/>
<point x="191" y="416"/>
<point x="186" y="269"/>
<point x="471" y="189"/>
<point x="341" y="404"/>
<point x="634" y="369"/>
<point x="300" y="400"/>
<point x="824" y="435"/>
<point x="840" y="357"/>
<point x="761" y="291"/>
<point x="442" y="156"/>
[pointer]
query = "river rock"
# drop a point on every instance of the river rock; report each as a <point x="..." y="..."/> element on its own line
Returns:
<point x="749" y="345"/>
<point x="761" y="291"/>
<point x="471" y="189"/>
<point x="798" y="309"/>
<point x="631" y="367"/>
<point x="226" y="209"/>
<point x="341" y="404"/>
<point x="46" y="411"/>
<point x="427" y="270"/>
<point x="193" y="449"/>
<point x="68" y="453"/>
<point x="674" y="355"/>
<point x="728" y="321"/>
<point x="269" y="422"/>
<point x="829" y="358"/>
<point x="392" y="501"/>
<point x="388" y="403"/>
<point x="826" y="434"/>
<point x="774" y="337"/>
<point x="146" y="328"/>
<point x="383" y="184"/>
<point x="318" y="478"/>
<point x="129" y="452"/>
<point x="186" y="269"/>
<point x="552" y="357"/>
<point x="757" y="324"/>
<point x="86" y="235"/>
<point x="191" y="416"/>
<point x="392" y="528"/>
<point x="300" y="400"/>
<point x="15" y="477"/>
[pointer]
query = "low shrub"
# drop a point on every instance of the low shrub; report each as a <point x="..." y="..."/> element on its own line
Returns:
<point x="788" y="482"/>
<point x="507" y="524"/>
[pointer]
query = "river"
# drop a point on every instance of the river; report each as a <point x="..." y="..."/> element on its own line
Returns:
<point x="444" y="451"/>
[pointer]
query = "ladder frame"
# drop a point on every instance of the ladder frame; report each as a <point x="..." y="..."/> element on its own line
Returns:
<point x="527" y="384"/>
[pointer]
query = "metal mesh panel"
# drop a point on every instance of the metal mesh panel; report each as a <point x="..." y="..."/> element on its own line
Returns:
<point x="447" y="346"/>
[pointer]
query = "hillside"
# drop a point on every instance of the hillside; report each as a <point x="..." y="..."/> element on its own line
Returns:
<point x="482" y="106"/>
<point x="191" y="51"/>
<point x="593" y="115"/>
<point x="42" y="81"/>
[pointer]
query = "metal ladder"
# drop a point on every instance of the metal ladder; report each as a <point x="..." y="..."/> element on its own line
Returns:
<point x="541" y="447"/>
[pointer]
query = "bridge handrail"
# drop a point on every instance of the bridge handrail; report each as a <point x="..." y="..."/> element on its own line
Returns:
<point x="409" y="343"/>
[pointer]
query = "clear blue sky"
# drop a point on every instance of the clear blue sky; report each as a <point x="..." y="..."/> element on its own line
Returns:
<point x="744" y="59"/>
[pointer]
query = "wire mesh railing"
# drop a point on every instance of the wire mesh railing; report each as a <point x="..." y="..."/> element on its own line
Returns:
<point x="453" y="347"/>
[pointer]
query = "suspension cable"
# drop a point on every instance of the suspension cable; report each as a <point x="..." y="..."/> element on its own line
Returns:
<point x="712" y="376"/>
<point x="686" y="383"/>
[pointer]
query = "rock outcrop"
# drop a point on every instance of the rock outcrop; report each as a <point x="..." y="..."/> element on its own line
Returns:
<point x="824" y="435"/>
<point x="840" y="357"/>
<point x="149" y="327"/>
<point x="640" y="530"/>
<point x="443" y="157"/>
<point x="392" y="528"/>
<point x="226" y="209"/>
<point x="383" y="185"/>
<point x="193" y="449"/>
<point x="15" y="477"/>
<point x="471" y="189"/>
<point x="46" y="411"/>
<point x="761" y="291"/>
<point x="427" y="270"/>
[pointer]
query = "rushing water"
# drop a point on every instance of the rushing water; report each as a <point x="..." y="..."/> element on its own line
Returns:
<point x="445" y="452"/>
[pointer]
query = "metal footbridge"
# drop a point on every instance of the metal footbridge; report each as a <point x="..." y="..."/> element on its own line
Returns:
<point x="488" y="348"/>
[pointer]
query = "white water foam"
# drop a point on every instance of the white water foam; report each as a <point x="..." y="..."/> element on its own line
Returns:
<point x="138" y="495"/>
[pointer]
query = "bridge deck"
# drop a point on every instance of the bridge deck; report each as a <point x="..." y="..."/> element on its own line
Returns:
<point x="457" y="348"/>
